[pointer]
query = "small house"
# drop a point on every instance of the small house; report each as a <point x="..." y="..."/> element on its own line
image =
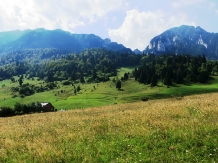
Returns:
<point x="47" y="106"/>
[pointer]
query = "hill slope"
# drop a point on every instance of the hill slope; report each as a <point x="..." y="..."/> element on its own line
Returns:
<point x="58" y="39"/>
<point x="185" y="40"/>
<point x="154" y="131"/>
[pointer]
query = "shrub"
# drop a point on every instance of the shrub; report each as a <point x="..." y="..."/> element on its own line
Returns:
<point x="144" y="99"/>
<point x="6" y="111"/>
<point x="67" y="82"/>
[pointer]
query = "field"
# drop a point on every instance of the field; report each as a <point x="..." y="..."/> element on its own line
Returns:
<point x="103" y="94"/>
<point x="164" y="130"/>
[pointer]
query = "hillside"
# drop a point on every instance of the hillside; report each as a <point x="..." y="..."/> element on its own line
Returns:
<point x="185" y="40"/>
<point x="57" y="39"/>
<point x="170" y="130"/>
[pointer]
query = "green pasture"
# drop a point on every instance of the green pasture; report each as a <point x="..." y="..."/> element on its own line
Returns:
<point x="104" y="93"/>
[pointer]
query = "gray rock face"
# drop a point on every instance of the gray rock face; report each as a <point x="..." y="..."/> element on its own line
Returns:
<point x="185" y="40"/>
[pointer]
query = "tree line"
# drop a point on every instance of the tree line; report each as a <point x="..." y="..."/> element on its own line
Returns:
<point x="174" y="68"/>
<point x="19" y="109"/>
<point x="95" y="64"/>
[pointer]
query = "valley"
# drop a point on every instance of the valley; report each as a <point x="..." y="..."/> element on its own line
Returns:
<point x="103" y="93"/>
<point x="112" y="104"/>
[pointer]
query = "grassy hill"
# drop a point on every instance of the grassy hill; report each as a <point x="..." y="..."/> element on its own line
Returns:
<point x="167" y="130"/>
<point x="104" y="93"/>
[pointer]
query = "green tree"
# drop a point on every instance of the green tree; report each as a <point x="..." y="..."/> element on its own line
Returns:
<point x="203" y="76"/>
<point x="167" y="79"/>
<point x="118" y="84"/>
<point x="78" y="88"/>
<point x="20" y="80"/>
<point x="18" y="108"/>
<point x="154" y="80"/>
<point x="94" y="74"/>
<point x="82" y="80"/>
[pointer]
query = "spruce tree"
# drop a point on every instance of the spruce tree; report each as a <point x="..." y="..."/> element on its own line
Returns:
<point x="118" y="84"/>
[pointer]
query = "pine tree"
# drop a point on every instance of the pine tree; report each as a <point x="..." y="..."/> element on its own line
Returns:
<point x="20" y="80"/>
<point x="167" y="79"/>
<point x="154" y="80"/>
<point x="118" y="84"/>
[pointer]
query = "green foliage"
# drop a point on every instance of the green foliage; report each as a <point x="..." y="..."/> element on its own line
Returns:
<point x="102" y="95"/>
<point x="20" y="81"/>
<point x="67" y="82"/>
<point x="34" y="107"/>
<point x="167" y="79"/>
<point x="174" y="68"/>
<point x="118" y="84"/>
<point x="51" y="85"/>
<point x="55" y="65"/>
<point x="154" y="80"/>
<point x="6" y="111"/>
<point x="26" y="90"/>
<point x="78" y="88"/>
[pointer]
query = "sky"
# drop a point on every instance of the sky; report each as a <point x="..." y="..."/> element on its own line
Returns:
<point x="132" y="23"/>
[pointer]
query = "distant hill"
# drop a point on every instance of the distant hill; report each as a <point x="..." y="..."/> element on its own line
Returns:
<point x="185" y="40"/>
<point x="57" y="39"/>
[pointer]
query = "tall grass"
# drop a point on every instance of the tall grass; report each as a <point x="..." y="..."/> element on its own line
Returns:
<point x="167" y="130"/>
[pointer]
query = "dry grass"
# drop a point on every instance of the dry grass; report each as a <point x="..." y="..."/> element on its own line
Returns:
<point x="154" y="131"/>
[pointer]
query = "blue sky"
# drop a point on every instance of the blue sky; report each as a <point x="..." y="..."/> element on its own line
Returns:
<point x="132" y="23"/>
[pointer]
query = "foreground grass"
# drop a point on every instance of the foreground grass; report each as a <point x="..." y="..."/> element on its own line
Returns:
<point x="167" y="130"/>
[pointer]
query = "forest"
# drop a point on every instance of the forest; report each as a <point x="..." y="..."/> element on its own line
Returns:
<point x="55" y="65"/>
<point x="171" y="69"/>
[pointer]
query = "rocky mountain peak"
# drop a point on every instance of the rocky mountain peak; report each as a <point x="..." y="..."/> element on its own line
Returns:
<point x="185" y="40"/>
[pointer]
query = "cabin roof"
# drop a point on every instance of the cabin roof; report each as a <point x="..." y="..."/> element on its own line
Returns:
<point x="44" y="103"/>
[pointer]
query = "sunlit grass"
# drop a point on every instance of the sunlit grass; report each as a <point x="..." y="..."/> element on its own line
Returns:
<point x="104" y="93"/>
<point x="169" y="130"/>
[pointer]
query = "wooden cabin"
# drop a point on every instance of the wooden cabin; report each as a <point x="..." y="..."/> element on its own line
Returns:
<point x="47" y="107"/>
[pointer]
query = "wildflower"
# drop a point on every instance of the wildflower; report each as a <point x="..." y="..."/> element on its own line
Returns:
<point x="171" y="148"/>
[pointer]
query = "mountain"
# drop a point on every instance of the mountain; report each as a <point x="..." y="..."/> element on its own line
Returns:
<point x="57" y="39"/>
<point x="185" y="40"/>
<point x="137" y="51"/>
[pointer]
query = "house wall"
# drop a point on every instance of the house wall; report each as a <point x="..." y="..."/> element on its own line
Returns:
<point x="49" y="107"/>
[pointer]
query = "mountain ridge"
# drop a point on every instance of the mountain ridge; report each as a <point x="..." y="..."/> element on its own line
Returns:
<point x="185" y="40"/>
<point x="59" y="39"/>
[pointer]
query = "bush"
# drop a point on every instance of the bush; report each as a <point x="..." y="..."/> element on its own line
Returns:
<point x="6" y="111"/>
<point x="144" y="99"/>
<point x="67" y="82"/>
<point x="51" y="85"/>
<point x="26" y="91"/>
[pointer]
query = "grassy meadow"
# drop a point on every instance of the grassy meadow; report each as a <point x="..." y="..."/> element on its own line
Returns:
<point x="164" y="130"/>
<point x="102" y="94"/>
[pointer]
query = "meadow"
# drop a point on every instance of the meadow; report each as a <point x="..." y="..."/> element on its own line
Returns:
<point x="164" y="130"/>
<point x="104" y="93"/>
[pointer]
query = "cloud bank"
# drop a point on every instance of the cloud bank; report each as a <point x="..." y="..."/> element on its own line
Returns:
<point x="139" y="28"/>
<point x="132" y="23"/>
<point x="51" y="14"/>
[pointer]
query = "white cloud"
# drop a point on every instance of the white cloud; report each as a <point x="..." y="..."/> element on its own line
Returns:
<point x="139" y="28"/>
<point x="51" y="14"/>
